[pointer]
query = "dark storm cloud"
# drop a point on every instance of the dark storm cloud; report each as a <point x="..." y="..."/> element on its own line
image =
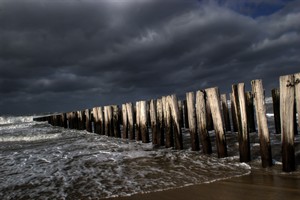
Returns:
<point x="67" y="55"/>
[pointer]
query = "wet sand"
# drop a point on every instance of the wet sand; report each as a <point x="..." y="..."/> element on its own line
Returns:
<point x="257" y="185"/>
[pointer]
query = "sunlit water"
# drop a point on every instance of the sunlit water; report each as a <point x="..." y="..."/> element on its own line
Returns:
<point x="39" y="161"/>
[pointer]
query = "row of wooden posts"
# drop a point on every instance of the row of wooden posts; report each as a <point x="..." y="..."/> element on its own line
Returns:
<point x="200" y="112"/>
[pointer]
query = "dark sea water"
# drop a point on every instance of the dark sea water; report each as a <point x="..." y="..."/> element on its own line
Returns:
<point x="39" y="161"/>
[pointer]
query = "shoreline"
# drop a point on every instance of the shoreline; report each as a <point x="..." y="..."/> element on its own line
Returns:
<point x="256" y="185"/>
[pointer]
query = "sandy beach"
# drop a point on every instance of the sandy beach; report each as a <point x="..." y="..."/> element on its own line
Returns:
<point x="257" y="185"/>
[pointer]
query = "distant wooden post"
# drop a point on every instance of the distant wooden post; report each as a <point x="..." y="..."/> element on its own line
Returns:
<point x="190" y="99"/>
<point x="287" y="100"/>
<point x="102" y="120"/>
<point x="108" y="120"/>
<point x="276" y="109"/>
<point x="168" y="124"/>
<point x="131" y="121"/>
<point x="180" y="108"/>
<point x="96" y="120"/>
<point x="213" y="98"/>
<point x="297" y="96"/>
<point x="241" y="112"/>
<point x="160" y="122"/>
<point x="64" y="120"/>
<point x="143" y="122"/>
<point x="201" y="122"/>
<point x="262" y="126"/>
<point x="81" y="120"/>
<point x="185" y="112"/>
<point x="250" y="112"/>
<point x="233" y="113"/>
<point x="225" y="112"/>
<point x="173" y="103"/>
<point x="70" y="119"/>
<point x="137" y="126"/>
<point x="88" y="123"/>
<point x="116" y="121"/>
<point x="124" y="122"/>
<point x="153" y="119"/>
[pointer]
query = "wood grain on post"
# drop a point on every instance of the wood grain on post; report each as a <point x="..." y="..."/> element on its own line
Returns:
<point x="287" y="100"/>
<point x="297" y="96"/>
<point x="101" y="120"/>
<point x="173" y="103"/>
<point x="185" y="113"/>
<point x="124" y="122"/>
<point x="213" y="98"/>
<point x="153" y="120"/>
<point x="225" y="112"/>
<point x="70" y="120"/>
<point x="116" y="122"/>
<point x="88" y="123"/>
<point x="131" y="121"/>
<point x="233" y="113"/>
<point x="168" y="124"/>
<point x="81" y="123"/>
<point x="250" y="112"/>
<point x="160" y="122"/>
<point x="107" y="120"/>
<point x="210" y="125"/>
<point x="65" y="123"/>
<point x="190" y="99"/>
<point x="96" y="120"/>
<point x="201" y="122"/>
<point x="262" y="125"/>
<point x="143" y="122"/>
<point x="180" y="108"/>
<point x="276" y="109"/>
<point x="137" y="122"/>
<point x="241" y="112"/>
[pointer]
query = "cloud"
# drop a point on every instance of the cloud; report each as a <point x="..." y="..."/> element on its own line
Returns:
<point x="67" y="55"/>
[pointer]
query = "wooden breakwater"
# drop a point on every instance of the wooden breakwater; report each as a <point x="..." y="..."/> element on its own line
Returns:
<point x="201" y="112"/>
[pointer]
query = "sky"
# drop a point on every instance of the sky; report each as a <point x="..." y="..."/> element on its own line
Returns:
<point x="68" y="55"/>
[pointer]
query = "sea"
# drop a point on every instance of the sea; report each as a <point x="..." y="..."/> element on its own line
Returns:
<point x="40" y="161"/>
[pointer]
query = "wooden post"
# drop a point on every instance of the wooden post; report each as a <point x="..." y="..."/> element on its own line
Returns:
<point x="287" y="98"/>
<point x="124" y="122"/>
<point x="102" y="120"/>
<point x="190" y="99"/>
<point x="130" y="115"/>
<point x="88" y="124"/>
<point x="241" y="112"/>
<point x="210" y="125"/>
<point x="213" y="98"/>
<point x="233" y="113"/>
<point x="250" y="112"/>
<point x="137" y="126"/>
<point x="160" y="121"/>
<point x="81" y="120"/>
<point x="143" y="121"/>
<point x="70" y="119"/>
<point x="65" y="122"/>
<point x="225" y="112"/>
<point x="297" y="96"/>
<point x="75" y="120"/>
<point x="96" y="120"/>
<point x="116" y="121"/>
<point x="201" y="122"/>
<point x="153" y="119"/>
<point x="185" y="112"/>
<point x="108" y="120"/>
<point x="173" y="103"/>
<point x="180" y="108"/>
<point x="276" y="109"/>
<point x="168" y="123"/>
<point x="262" y="126"/>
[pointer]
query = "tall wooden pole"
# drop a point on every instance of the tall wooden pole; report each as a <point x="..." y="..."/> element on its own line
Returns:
<point x="250" y="111"/>
<point x="287" y="100"/>
<point x="153" y="119"/>
<point x="137" y="126"/>
<point x="233" y="113"/>
<point x="131" y="121"/>
<point x="262" y="126"/>
<point x="160" y="121"/>
<point x="213" y="98"/>
<point x="297" y="96"/>
<point x="276" y="109"/>
<point x="190" y="99"/>
<point x="143" y="121"/>
<point x="225" y="112"/>
<point x="173" y="102"/>
<point x="116" y="121"/>
<point x="124" y="122"/>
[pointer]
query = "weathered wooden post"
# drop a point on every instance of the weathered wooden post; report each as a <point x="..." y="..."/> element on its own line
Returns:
<point x="153" y="119"/>
<point x="108" y="120"/>
<point x="185" y="112"/>
<point x="96" y="120"/>
<point x="65" y="122"/>
<point x="297" y="96"/>
<point x="143" y="122"/>
<point x="137" y="125"/>
<point x="262" y="126"/>
<point x="173" y="103"/>
<point x="168" y="123"/>
<point x="81" y="120"/>
<point x="210" y="125"/>
<point x="190" y="99"/>
<point x="250" y="112"/>
<point x="225" y="112"/>
<point x="287" y="100"/>
<point x="201" y="122"/>
<point x="130" y="115"/>
<point x="88" y="124"/>
<point x="160" y="121"/>
<point x="233" y="113"/>
<point x="241" y="112"/>
<point x="124" y="122"/>
<point x="116" y="122"/>
<point x="276" y="109"/>
<point x="180" y="108"/>
<point x="70" y="120"/>
<point x="213" y="98"/>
